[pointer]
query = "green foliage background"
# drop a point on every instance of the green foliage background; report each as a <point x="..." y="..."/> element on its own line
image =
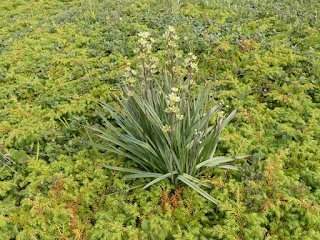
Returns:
<point x="58" y="58"/>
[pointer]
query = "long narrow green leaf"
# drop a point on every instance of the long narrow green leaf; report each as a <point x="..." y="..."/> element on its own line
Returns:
<point x="159" y="179"/>
<point x="196" y="180"/>
<point x="124" y="190"/>
<point x="134" y="149"/>
<point x="228" y="167"/>
<point x="121" y="169"/>
<point x="198" y="189"/>
<point x="229" y="118"/>
<point x="117" y="151"/>
<point x="218" y="160"/>
<point x="143" y="175"/>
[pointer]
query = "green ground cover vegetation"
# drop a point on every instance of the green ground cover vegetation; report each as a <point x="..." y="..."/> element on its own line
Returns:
<point x="59" y="58"/>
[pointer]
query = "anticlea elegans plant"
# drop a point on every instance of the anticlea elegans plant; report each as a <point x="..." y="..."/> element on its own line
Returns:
<point x="165" y="124"/>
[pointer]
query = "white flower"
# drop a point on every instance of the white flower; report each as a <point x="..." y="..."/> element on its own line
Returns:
<point x="175" y="109"/>
<point x="134" y="72"/>
<point x="126" y="74"/>
<point x="173" y="97"/>
<point x="166" y="128"/>
<point x="154" y="59"/>
<point x="174" y="89"/>
<point x="131" y="80"/>
<point x="142" y="41"/>
<point x="193" y="65"/>
<point x="144" y="34"/>
<point x="172" y="109"/>
<point x="152" y="66"/>
<point x="171" y="29"/>
<point x="172" y="44"/>
<point x="220" y="114"/>
<point x="174" y="69"/>
<point x="193" y="57"/>
<point x="141" y="56"/>
<point x="183" y="86"/>
<point x="148" y="47"/>
<point x="197" y="132"/>
<point x="171" y="102"/>
<point x="179" y="116"/>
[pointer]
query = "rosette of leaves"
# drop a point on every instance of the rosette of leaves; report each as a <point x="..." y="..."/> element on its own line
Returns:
<point x="168" y="129"/>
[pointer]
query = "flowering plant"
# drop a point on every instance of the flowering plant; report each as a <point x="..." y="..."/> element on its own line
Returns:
<point x="167" y="129"/>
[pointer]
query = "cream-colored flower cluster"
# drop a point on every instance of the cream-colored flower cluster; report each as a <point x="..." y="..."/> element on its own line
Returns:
<point x="172" y="101"/>
<point x="166" y="128"/>
<point x="152" y="65"/>
<point x="198" y="136"/>
<point x="149" y="64"/>
<point x="190" y="61"/>
<point x="130" y="75"/>
<point x="171" y="37"/>
<point x="179" y="70"/>
<point x="145" y="45"/>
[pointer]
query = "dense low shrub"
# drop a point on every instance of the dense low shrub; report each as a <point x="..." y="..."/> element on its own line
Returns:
<point x="58" y="58"/>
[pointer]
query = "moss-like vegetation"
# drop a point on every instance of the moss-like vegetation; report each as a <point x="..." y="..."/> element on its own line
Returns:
<point x="58" y="58"/>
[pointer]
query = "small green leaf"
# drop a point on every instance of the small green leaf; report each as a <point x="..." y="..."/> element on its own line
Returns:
<point x="16" y="155"/>
<point x="287" y="137"/>
<point x="145" y="225"/>
<point x="49" y="149"/>
<point x="241" y="95"/>
<point x="258" y="155"/>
